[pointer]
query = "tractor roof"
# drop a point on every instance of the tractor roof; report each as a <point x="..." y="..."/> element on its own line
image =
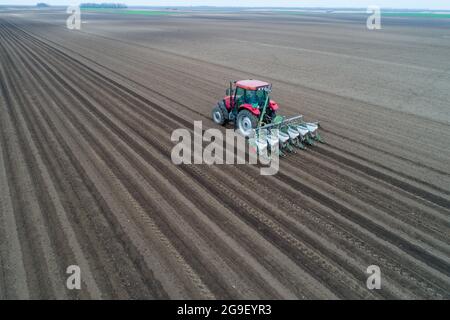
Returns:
<point x="251" y="84"/>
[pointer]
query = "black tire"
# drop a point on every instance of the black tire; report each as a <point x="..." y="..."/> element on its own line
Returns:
<point x="219" y="114"/>
<point x="222" y="107"/>
<point x="245" y="122"/>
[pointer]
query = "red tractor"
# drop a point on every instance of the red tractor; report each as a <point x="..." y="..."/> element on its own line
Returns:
<point x="248" y="105"/>
<point x="244" y="104"/>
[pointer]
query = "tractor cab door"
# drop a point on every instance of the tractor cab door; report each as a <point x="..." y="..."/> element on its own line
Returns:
<point x="239" y="97"/>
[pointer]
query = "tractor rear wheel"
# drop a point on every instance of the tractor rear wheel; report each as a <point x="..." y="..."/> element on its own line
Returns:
<point x="219" y="114"/>
<point x="246" y="122"/>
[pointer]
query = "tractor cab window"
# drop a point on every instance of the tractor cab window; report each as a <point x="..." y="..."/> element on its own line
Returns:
<point x="261" y="96"/>
<point x="253" y="97"/>
<point x="250" y="97"/>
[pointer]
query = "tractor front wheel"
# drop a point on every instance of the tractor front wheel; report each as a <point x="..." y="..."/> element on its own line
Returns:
<point x="246" y="122"/>
<point x="219" y="115"/>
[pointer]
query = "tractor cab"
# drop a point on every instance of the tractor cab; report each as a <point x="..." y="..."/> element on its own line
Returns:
<point x="250" y="94"/>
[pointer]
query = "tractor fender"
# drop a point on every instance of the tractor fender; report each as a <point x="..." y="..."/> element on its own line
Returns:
<point x="273" y="105"/>
<point x="249" y="107"/>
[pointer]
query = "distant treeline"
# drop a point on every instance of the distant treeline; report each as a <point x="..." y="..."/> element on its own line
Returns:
<point x="104" y="5"/>
<point x="42" y="5"/>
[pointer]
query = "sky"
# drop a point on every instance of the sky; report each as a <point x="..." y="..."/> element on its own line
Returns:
<point x="403" y="4"/>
